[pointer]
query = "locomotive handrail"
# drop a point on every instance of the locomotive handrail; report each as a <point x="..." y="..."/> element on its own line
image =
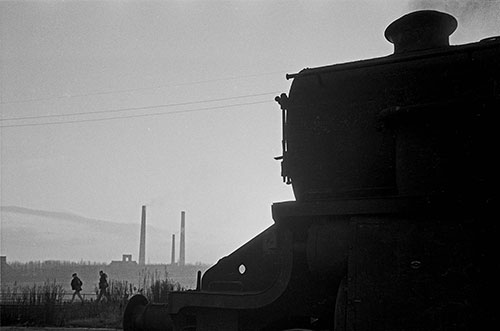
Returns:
<point x="395" y="58"/>
<point x="283" y="101"/>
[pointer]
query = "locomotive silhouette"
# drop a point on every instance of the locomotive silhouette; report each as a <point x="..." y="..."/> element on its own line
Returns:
<point x="392" y="164"/>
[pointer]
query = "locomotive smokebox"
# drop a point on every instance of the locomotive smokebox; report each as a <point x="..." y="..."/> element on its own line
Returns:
<point x="421" y="30"/>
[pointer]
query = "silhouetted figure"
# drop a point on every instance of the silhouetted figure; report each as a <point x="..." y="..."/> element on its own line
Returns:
<point x="103" y="286"/>
<point x="76" y="285"/>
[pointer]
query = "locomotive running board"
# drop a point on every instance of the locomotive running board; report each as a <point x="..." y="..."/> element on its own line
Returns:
<point x="235" y="300"/>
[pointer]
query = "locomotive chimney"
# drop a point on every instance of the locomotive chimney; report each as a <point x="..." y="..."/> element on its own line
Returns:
<point x="182" y="253"/>
<point x="142" y="244"/>
<point x="421" y="30"/>
<point x="173" y="250"/>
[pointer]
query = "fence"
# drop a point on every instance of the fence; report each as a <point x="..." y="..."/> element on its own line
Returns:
<point x="8" y="298"/>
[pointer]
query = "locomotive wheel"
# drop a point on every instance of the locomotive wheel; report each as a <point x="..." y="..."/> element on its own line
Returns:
<point x="133" y="312"/>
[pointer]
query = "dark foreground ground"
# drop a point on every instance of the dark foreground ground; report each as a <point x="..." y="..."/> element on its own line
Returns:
<point x="19" y="328"/>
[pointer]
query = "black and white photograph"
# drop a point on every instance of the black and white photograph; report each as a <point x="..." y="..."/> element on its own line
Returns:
<point x="249" y="165"/>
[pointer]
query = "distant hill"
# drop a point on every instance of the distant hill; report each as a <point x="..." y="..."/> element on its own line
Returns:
<point x="39" y="235"/>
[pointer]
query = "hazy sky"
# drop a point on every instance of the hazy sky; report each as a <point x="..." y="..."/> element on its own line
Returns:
<point x="109" y="105"/>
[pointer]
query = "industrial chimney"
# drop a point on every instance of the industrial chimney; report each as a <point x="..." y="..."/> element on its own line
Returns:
<point x="182" y="253"/>
<point x="173" y="250"/>
<point x="142" y="244"/>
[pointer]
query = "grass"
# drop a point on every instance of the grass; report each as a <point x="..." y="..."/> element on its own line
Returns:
<point x="45" y="304"/>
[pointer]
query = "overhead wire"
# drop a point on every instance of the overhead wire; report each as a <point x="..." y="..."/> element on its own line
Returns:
<point x="139" y="115"/>
<point x="139" y="108"/>
<point x="140" y="88"/>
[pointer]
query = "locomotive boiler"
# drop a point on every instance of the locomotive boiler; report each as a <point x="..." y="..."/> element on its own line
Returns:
<point x="393" y="166"/>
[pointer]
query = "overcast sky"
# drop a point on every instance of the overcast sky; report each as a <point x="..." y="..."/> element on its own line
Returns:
<point x="106" y="106"/>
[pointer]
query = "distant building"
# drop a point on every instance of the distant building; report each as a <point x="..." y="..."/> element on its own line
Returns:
<point x="126" y="260"/>
<point x="6" y="271"/>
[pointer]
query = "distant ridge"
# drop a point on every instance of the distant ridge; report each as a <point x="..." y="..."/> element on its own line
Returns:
<point x="35" y="235"/>
<point x="55" y="214"/>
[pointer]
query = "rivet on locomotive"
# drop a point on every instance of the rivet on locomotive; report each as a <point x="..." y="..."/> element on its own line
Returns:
<point x="393" y="166"/>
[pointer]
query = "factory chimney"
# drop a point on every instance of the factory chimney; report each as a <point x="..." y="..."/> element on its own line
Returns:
<point x="142" y="244"/>
<point x="173" y="249"/>
<point x="182" y="253"/>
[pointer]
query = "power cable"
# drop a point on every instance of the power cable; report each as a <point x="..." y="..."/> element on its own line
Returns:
<point x="140" y="89"/>
<point x="138" y="108"/>
<point x="141" y="115"/>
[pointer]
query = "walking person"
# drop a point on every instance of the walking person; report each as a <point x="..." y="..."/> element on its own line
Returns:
<point x="103" y="286"/>
<point x="76" y="285"/>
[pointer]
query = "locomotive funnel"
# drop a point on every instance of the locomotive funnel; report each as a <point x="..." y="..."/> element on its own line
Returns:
<point x="421" y="30"/>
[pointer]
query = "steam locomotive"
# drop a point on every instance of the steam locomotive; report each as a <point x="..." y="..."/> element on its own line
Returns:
<point x="393" y="168"/>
